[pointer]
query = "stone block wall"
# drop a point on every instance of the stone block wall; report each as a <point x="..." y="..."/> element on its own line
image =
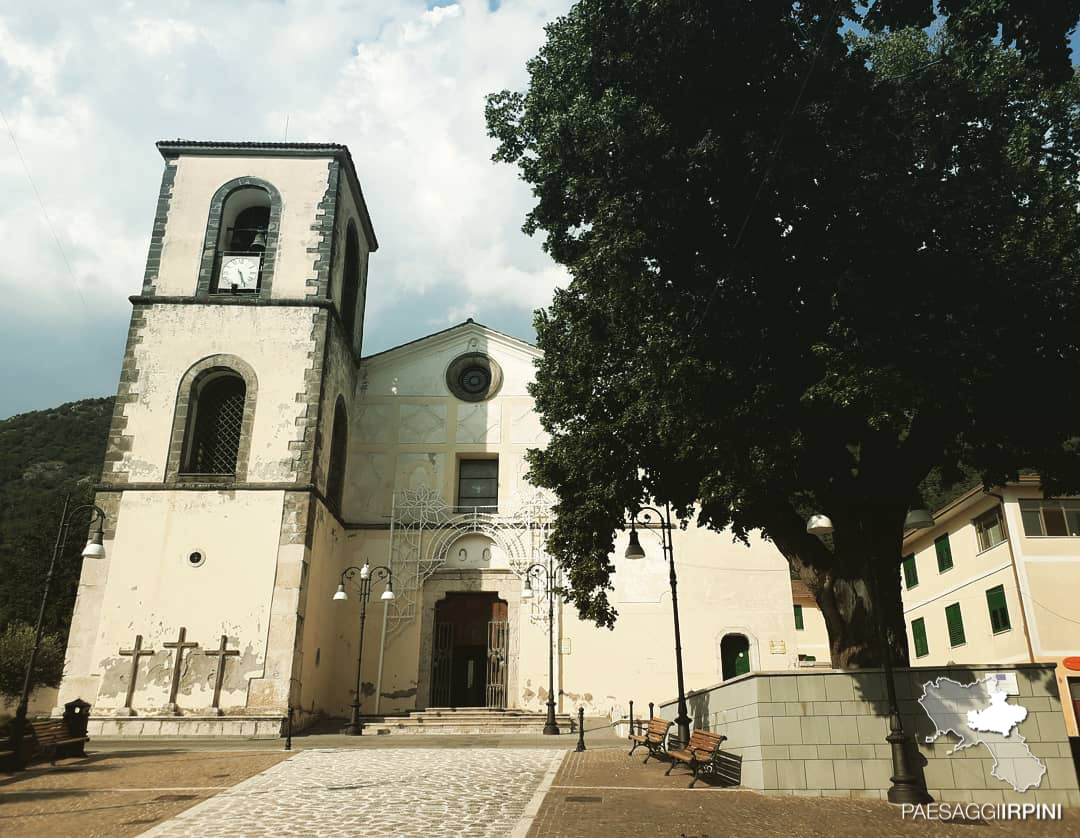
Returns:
<point x="822" y="733"/>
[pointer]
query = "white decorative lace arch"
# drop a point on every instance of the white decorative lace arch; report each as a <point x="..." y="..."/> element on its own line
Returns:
<point x="423" y="527"/>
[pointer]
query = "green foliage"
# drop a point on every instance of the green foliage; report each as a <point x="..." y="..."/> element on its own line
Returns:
<point x="16" y="642"/>
<point x="809" y="270"/>
<point x="44" y="457"/>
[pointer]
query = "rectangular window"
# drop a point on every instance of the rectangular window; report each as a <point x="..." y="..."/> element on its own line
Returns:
<point x="1051" y="517"/>
<point x="478" y="484"/>
<point x="911" y="572"/>
<point x="990" y="529"/>
<point x="955" y="621"/>
<point x="918" y="635"/>
<point x="1054" y="520"/>
<point x="944" y="553"/>
<point x="999" y="611"/>
<point x="798" y="617"/>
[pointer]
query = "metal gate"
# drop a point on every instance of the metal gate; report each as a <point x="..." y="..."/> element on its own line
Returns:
<point x="442" y="661"/>
<point x="497" y="646"/>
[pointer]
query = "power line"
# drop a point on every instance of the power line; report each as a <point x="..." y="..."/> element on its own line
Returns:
<point x="44" y="211"/>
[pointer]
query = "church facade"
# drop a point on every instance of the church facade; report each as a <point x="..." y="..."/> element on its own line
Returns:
<point x="256" y="455"/>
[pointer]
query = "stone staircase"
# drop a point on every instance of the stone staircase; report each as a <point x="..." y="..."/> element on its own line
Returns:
<point x="466" y="720"/>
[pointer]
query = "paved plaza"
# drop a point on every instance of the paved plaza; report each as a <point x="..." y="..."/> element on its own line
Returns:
<point x="427" y="786"/>
<point x="423" y="792"/>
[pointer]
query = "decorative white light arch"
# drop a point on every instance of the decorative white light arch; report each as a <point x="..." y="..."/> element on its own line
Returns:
<point x="423" y="528"/>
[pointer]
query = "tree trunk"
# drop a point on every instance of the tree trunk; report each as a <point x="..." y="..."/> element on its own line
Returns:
<point x="855" y="616"/>
<point x="858" y="606"/>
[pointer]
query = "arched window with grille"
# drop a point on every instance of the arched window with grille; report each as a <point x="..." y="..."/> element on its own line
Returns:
<point x="215" y="424"/>
<point x="339" y="444"/>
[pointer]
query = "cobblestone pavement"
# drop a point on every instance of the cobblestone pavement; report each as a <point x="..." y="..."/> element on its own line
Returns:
<point x="426" y="792"/>
<point x="607" y="793"/>
<point x="120" y="793"/>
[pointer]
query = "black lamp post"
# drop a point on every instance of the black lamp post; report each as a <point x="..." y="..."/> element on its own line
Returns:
<point x="94" y="549"/>
<point x="634" y="551"/>
<point x="906" y="787"/>
<point x="366" y="576"/>
<point x="551" y="728"/>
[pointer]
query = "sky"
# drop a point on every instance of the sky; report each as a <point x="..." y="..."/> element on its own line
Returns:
<point x="88" y="88"/>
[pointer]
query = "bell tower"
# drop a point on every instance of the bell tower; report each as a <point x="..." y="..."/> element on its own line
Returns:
<point x="232" y="406"/>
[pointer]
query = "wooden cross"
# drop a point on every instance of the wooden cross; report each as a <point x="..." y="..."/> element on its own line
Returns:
<point x="179" y="645"/>
<point x="137" y="652"/>
<point x="221" y="653"/>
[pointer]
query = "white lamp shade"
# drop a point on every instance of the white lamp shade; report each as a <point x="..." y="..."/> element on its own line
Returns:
<point x="93" y="550"/>
<point x="387" y="595"/>
<point x="819" y="525"/>
<point x="527" y="593"/>
<point x="918" y="519"/>
<point x="340" y="594"/>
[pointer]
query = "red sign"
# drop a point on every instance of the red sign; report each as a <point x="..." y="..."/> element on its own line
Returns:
<point x="1072" y="663"/>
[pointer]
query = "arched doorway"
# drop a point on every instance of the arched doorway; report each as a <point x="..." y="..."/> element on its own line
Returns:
<point x="734" y="655"/>
<point x="470" y="651"/>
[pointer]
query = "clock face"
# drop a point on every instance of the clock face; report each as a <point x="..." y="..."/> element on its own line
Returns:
<point x="241" y="272"/>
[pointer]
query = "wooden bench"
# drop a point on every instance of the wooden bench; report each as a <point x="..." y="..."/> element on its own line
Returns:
<point x="51" y="739"/>
<point x="700" y="752"/>
<point x="654" y="738"/>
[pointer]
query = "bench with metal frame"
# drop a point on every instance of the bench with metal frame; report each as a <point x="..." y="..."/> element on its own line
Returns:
<point x="654" y="738"/>
<point x="54" y="739"/>
<point x="700" y="753"/>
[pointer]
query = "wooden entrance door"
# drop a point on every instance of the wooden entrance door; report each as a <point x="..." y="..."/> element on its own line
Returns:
<point x="469" y="656"/>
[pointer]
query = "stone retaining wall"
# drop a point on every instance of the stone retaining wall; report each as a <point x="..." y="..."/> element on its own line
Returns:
<point x="823" y="734"/>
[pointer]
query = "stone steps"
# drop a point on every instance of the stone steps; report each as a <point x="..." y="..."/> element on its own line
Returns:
<point x="466" y="720"/>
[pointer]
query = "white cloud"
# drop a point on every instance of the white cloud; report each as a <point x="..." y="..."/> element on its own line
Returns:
<point x="88" y="88"/>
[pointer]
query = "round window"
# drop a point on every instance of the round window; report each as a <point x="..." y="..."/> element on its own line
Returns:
<point x="196" y="558"/>
<point x="473" y="377"/>
<point x="475" y="380"/>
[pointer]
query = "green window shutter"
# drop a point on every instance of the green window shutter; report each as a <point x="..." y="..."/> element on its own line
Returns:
<point x="911" y="572"/>
<point x="798" y="617"/>
<point x="944" y="553"/>
<point x="999" y="610"/>
<point x="956" y="625"/>
<point x="918" y="634"/>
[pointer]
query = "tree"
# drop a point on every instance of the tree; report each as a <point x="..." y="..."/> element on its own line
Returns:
<point x="808" y="270"/>
<point x="16" y="642"/>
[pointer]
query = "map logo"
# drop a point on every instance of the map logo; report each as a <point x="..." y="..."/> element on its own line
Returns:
<point x="980" y="714"/>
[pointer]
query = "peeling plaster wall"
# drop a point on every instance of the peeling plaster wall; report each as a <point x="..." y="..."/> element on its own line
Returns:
<point x="723" y="588"/>
<point x="152" y="590"/>
<point x="274" y="341"/>
<point x="302" y="184"/>
<point x="399" y="675"/>
<point x="321" y="672"/>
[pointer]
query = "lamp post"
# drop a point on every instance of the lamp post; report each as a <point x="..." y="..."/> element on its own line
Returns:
<point x="905" y="787"/>
<point x="366" y="575"/>
<point x="635" y="551"/>
<point x="94" y="549"/>
<point x="551" y="728"/>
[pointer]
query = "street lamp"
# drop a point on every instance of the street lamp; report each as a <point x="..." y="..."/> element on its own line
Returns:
<point x="366" y="575"/>
<point x="634" y="551"/>
<point x="94" y="549"/>
<point x="551" y="728"/>
<point x="905" y="787"/>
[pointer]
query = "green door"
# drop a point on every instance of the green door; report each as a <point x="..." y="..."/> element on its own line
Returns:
<point x="734" y="655"/>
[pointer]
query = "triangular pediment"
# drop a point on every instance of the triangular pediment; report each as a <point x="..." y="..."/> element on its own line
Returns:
<point x="418" y="368"/>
